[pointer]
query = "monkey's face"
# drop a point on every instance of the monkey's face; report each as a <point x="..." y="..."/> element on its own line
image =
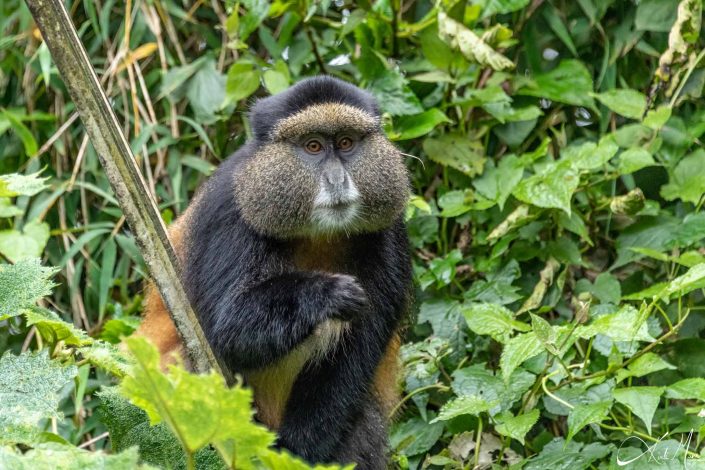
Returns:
<point x="327" y="169"/>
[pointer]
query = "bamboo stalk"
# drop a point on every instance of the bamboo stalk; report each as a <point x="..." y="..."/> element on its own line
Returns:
<point x="122" y="171"/>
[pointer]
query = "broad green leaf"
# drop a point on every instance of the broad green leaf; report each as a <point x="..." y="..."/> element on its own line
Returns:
<point x="626" y="102"/>
<point x="552" y="188"/>
<point x="206" y="92"/>
<point x="22" y="185"/>
<point x="517" y="427"/>
<point x="517" y="350"/>
<point x="687" y="389"/>
<point x="52" y="456"/>
<point x="275" y="81"/>
<point x="691" y="280"/>
<point x="607" y="288"/>
<point x="466" y="405"/>
<point x="7" y="209"/>
<point x="394" y="95"/>
<point x="22" y="285"/>
<point x="642" y="401"/>
<point x="493" y="7"/>
<point x="243" y="79"/>
<point x="626" y="324"/>
<point x="415" y="436"/>
<point x="644" y="365"/>
<point x="687" y="181"/>
<point x="23" y="133"/>
<point x="455" y="203"/>
<point x="561" y="455"/>
<point x="456" y="151"/>
<point x="29" y="243"/>
<point x="497" y="183"/>
<point x="570" y="82"/>
<point x="53" y="329"/>
<point x="656" y="15"/>
<point x="590" y="156"/>
<point x="657" y="118"/>
<point x="411" y="127"/>
<point x="199" y="409"/>
<point x="545" y="333"/>
<point x="634" y="159"/>
<point x="470" y="44"/>
<point x="29" y="391"/>
<point x="582" y="415"/>
<point x="107" y="357"/>
<point x="493" y="320"/>
<point x="479" y="381"/>
<point x="174" y="81"/>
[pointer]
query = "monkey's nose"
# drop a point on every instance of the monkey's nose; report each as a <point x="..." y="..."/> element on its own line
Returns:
<point x="336" y="177"/>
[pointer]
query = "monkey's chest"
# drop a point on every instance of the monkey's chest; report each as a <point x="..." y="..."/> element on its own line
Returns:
<point x="272" y="385"/>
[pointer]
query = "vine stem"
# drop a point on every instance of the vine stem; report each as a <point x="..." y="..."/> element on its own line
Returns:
<point x="440" y="387"/>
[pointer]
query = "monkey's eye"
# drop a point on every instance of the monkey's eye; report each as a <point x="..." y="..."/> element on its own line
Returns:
<point x="313" y="146"/>
<point x="345" y="144"/>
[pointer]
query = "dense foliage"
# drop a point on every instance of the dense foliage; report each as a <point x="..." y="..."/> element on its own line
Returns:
<point x="556" y="221"/>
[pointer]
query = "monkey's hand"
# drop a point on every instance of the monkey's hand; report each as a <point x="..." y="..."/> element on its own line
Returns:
<point x="348" y="300"/>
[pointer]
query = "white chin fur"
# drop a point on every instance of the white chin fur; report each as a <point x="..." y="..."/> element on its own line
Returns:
<point x="335" y="212"/>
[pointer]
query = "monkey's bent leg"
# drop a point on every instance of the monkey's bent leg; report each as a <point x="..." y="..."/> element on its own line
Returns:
<point x="328" y="397"/>
<point x="366" y="445"/>
<point x="255" y="328"/>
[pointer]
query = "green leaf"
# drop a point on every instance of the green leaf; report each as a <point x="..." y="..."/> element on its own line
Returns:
<point x="479" y="381"/>
<point x="607" y="288"/>
<point x="455" y="203"/>
<point x="22" y="131"/>
<point x="29" y="391"/>
<point x="16" y="184"/>
<point x="29" y="243"/>
<point x="570" y="82"/>
<point x="497" y="183"/>
<point x="470" y="44"/>
<point x="582" y="415"/>
<point x="545" y="333"/>
<point x="493" y="320"/>
<point x="590" y="156"/>
<point x="411" y="127"/>
<point x="687" y="181"/>
<point x="53" y="329"/>
<point x="22" y="285"/>
<point x="642" y="401"/>
<point x="494" y="7"/>
<point x="456" y="151"/>
<point x="199" y="409"/>
<point x="552" y="188"/>
<point x="657" y="118"/>
<point x="7" y="209"/>
<point x="517" y="350"/>
<point x="206" y="92"/>
<point x="561" y="455"/>
<point x="517" y="427"/>
<point x="243" y="79"/>
<point x="107" y="357"/>
<point x="644" y="365"/>
<point x="687" y="389"/>
<point x="467" y="405"/>
<point x="691" y="280"/>
<point x="64" y="457"/>
<point x="275" y="81"/>
<point x="626" y="102"/>
<point x="415" y="436"/>
<point x="394" y="95"/>
<point x="656" y="15"/>
<point x="626" y="324"/>
<point x="634" y="159"/>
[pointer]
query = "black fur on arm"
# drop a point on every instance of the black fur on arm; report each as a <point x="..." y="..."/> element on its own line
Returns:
<point x="254" y="308"/>
<point x="329" y="397"/>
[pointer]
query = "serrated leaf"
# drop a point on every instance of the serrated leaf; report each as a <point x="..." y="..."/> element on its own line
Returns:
<point x="552" y="188"/>
<point x="517" y="427"/>
<point x="466" y="405"/>
<point x="54" y="329"/>
<point x="582" y="415"/>
<point x="626" y="102"/>
<point x="497" y="183"/>
<point x="626" y="324"/>
<point x="687" y="389"/>
<point x="457" y="151"/>
<point x="642" y="401"/>
<point x="561" y="455"/>
<point x="470" y="44"/>
<point x="687" y="181"/>
<point x="517" y="350"/>
<point x="29" y="243"/>
<point x="22" y="185"/>
<point x="644" y="365"/>
<point x="494" y="7"/>
<point x="493" y="320"/>
<point x="199" y="409"/>
<point x="107" y="357"/>
<point x="53" y="456"/>
<point x="691" y="280"/>
<point x="634" y="159"/>
<point x="29" y="391"/>
<point x="590" y="156"/>
<point x="22" y="285"/>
